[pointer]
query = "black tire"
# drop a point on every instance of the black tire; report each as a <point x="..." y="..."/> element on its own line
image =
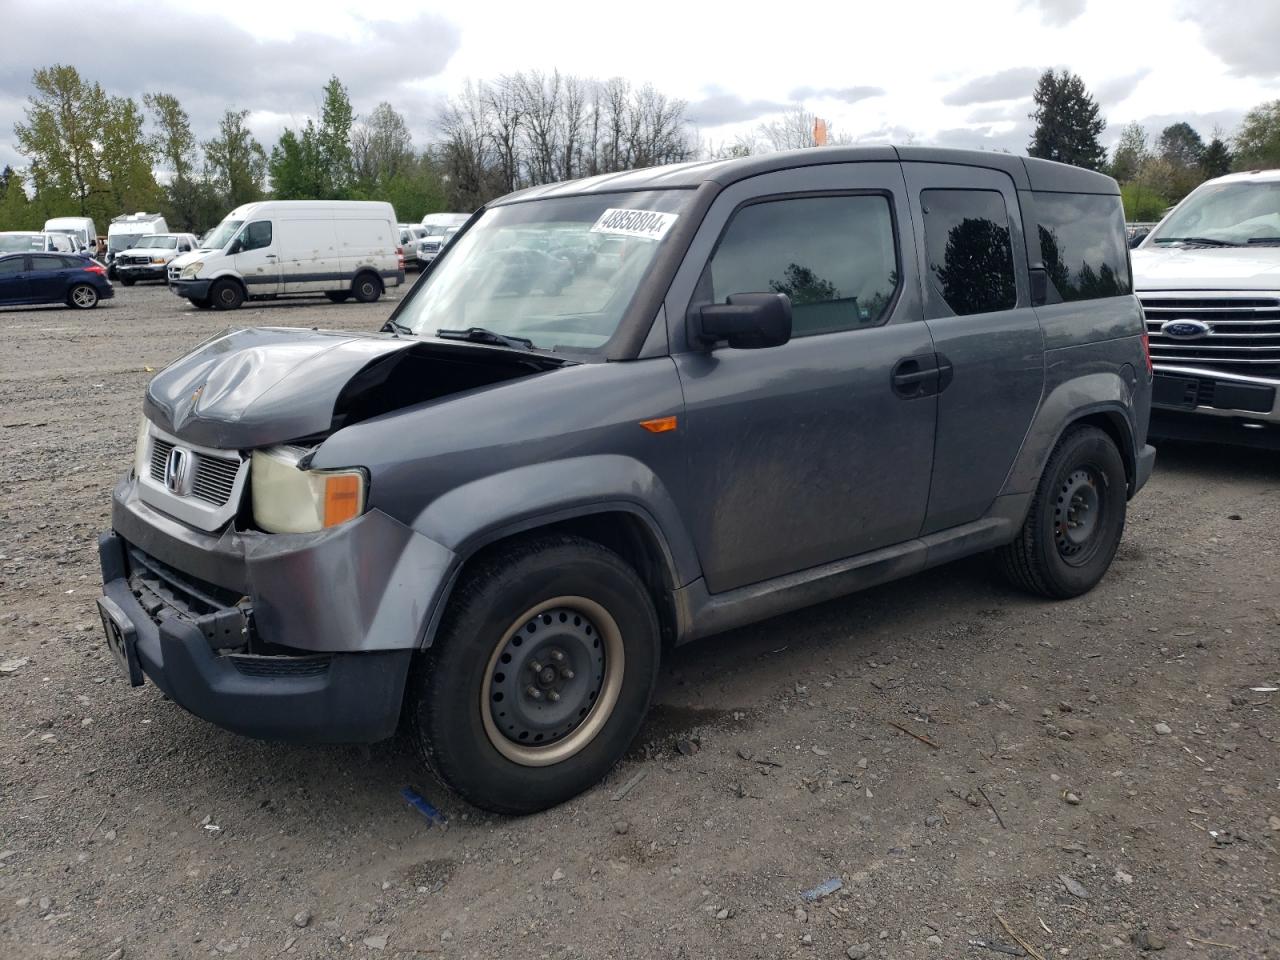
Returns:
<point x="128" y="281"/>
<point x="367" y="287"/>
<point x="201" y="303"/>
<point x="82" y="296"/>
<point x="338" y="296"/>
<point x="558" y="584"/>
<point x="226" y="295"/>
<point x="1076" y="520"/>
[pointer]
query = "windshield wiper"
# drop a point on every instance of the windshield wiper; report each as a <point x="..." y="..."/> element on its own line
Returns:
<point x="1262" y="241"/>
<point x="392" y="326"/>
<point x="482" y="335"/>
<point x="1206" y="241"/>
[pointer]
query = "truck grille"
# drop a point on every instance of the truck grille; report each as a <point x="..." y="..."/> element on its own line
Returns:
<point x="1243" y="333"/>
<point x="215" y="477"/>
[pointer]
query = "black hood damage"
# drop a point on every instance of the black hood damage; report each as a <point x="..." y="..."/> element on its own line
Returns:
<point x="265" y="385"/>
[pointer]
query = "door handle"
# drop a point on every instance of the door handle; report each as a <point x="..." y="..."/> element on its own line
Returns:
<point x="269" y="256"/>
<point x="915" y="376"/>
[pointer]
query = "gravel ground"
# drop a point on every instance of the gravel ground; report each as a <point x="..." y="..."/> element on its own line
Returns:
<point x="1098" y="773"/>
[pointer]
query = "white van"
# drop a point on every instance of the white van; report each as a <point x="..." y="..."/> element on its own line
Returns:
<point x="340" y="248"/>
<point x="81" y="228"/>
<point x="438" y="227"/>
<point x="124" y="231"/>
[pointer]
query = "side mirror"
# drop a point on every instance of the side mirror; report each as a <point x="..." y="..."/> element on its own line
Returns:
<point x="747" y="321"/>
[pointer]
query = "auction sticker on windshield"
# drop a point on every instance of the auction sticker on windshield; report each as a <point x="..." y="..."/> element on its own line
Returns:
<point x="642" y="224"/>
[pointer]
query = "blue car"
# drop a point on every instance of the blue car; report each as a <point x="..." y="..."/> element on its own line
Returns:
<point x="67" y="278"/>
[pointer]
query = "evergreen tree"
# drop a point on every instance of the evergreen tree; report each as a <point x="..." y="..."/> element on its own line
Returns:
<point x="333" y="138"/>
<point x="1068" y="123"/>
<point x="16" y="210"/>
<point x="235" y="160"/>
<point x="1182" y="150"/>
<point x="1216" y="159"/>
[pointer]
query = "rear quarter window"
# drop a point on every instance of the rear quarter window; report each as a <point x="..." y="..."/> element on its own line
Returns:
<point x="1081" y="243"/>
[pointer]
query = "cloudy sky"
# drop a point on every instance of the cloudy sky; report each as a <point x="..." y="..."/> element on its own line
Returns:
<point x="955" y="74"/>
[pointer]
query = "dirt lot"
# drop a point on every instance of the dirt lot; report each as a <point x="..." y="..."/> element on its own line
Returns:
<point x="1048" y="792"/>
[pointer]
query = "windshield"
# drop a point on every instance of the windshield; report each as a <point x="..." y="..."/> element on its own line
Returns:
<point x="122" y="241"/>
<point x="157" y="242"/>
<point x="560" y="273"/>
<point x="221" y="234"/>
<point x="1237" y="212"/>
<point x="20" y="242"/>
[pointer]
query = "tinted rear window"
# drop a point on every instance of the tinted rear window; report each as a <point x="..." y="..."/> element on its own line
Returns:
<point x="1082" y="244"/>
<point x="49" y="262"/>
<point x="970" y="254"/>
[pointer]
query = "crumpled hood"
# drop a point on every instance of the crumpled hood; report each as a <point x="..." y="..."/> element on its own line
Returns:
<point x="1194" y="268"/>
<point x="249" y="388"/>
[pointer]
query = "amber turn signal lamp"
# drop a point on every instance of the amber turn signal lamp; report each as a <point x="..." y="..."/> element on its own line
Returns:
<point x="659" y="424"/>
<point x="342" y="498"/>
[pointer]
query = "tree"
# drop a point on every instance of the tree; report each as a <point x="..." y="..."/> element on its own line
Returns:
<point x="297" y="167"/>
<point x="61" y="138"/>
<point x="1130" y="152"/>
<point x="174" y="146"/>
<point x="1182" y="150"/>
<point x="16" y="210"/>
<point x="235" y="161"/>
<point x="381" y="146"/>
<point x="1216" y="159"/>
<point x="333" y="140"/>
<point x="128" y="183"/>
<point x="1068" y="123"/>
<point x="1258" y="140"/>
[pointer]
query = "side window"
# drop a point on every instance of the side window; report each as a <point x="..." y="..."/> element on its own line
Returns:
<point x="1082" y="244"/>
<point x="256" y="236"/>
<point x="970" y="254"/>
<point x="41" y="261"/>
<point x="10" y="266"/>
<point x="835" y="257"/>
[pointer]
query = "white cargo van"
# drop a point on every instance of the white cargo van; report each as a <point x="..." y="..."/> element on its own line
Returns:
<point x="81" y="228"/>
<point x="124" y="231"/>
<point x="338" y="248"/>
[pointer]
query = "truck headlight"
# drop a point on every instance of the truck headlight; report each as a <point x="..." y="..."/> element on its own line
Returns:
<point x="287" y="499"/>
<point x="192" y="270"/>
<point x="158" y="260"/>
<point x="142" y="448"/>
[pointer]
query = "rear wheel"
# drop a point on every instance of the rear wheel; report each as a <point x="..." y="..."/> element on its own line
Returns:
<point x="82" y="296"/>
<point x="226" y="295"/>
<point x="1076" y="521"/>
<point x="367" y="287"/>
<point x="540" y="676"/>
<point x="338" y="296"/>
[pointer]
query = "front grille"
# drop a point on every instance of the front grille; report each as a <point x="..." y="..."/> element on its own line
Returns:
<point x="252" y="665"/>
<point x="1243" y="337"/>
<point x="214" y="479"/>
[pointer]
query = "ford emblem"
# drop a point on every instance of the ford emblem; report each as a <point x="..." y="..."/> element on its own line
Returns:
<point x="1185" y="329"/>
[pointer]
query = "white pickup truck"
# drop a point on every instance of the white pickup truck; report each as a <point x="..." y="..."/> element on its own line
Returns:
<point x="1209" y="280"/>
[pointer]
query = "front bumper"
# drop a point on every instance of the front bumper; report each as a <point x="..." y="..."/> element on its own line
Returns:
<point x="1192" y="403"/>
<point x="142" y="271"/>
<point x="296" y="637"/>
<point x="191" y="289"/>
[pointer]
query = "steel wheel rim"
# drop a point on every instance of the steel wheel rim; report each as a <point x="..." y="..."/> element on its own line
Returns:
<point x="226" y="296"/>
<point x="1078" y="514"/>
<point x="584" y="728"/>
<point x="84" y="296"/>
<point x="367" y="289"/>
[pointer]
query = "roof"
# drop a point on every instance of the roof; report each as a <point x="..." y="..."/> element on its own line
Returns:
<point x="1028" y="173"/>
<point x="1250" y="176"/>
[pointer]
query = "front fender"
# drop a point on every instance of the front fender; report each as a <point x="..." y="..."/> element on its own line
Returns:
<point x="492" y="507"/>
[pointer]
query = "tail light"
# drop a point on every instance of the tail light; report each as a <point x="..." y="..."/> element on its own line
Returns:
<point x="95" y="268"/>
<point x="1146" y="352"/>
<point x="400" y="257"/>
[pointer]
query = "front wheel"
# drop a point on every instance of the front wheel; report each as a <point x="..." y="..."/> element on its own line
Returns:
<point x="128" y="281"/>
<point x="338" y="296"/>
<point x="227" y="295"/>
<point x="201" y="303"/>
<point x="82" y="296"/>
<point x="1070" y="536"/>
<point x="540" y="676"/>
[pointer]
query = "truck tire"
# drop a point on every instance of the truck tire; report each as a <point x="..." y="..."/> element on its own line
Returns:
<point x="367" y="287"/>
<point x="540" y="676"/>
<point x="1071" y="534"/>
<point x="226" y="295"/>
<point x="128" y="281"/>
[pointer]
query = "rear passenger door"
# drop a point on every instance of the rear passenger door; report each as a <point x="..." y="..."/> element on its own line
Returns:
<point x="49" y="277"/>
<point x="986" y="335"/>
<point x="809" y="452"/>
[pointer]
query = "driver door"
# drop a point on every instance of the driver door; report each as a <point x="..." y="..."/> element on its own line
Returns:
<point x="257" y="260"/>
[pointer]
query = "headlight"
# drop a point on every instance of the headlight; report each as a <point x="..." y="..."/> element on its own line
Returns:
<point x="287" y="499"/>
<point x="158" y="260"/>
<point x="192" y="270"/>
<point x="141" y="448"/>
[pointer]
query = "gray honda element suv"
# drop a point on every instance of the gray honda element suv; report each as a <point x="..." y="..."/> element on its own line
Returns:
<point x="623" y="413"/>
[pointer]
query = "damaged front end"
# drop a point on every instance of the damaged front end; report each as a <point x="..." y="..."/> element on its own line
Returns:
<point x="262" y="594"/>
